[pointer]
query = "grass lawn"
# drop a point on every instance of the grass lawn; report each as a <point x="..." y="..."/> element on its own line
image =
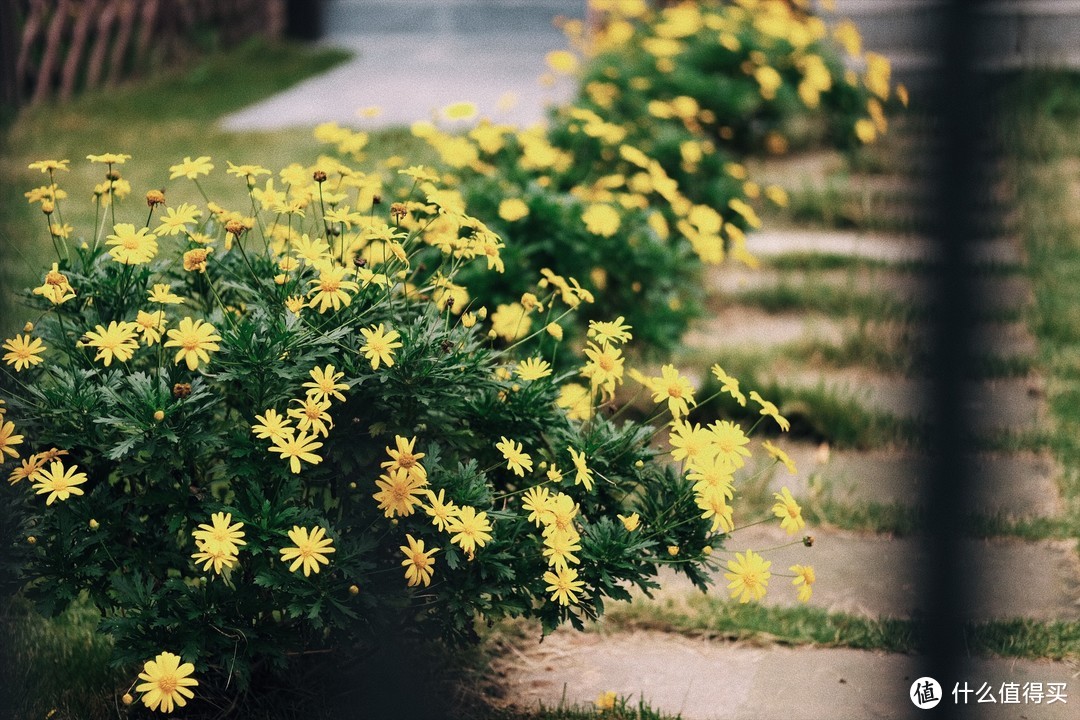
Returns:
<point x="1043" y="130"/>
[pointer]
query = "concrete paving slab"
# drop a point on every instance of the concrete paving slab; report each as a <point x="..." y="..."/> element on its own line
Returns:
<point x="874" y="246"/>
<point x="994" y="293"/>
<point x="1013" y="404"/>
<point x="702" y="679"/>
<point x="877" y="575"/>
<point x="750" y="328"/>
<point x="1015" y="485"/>
<point x="410" y="76"/>
<point x="885" y="248"/>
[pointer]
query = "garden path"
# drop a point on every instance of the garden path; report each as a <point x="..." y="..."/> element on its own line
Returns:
<point x="865" y="501"/>
<point x="702" y="679"/>
<point x="416" y="56"/>
<point x="413" y="58"/>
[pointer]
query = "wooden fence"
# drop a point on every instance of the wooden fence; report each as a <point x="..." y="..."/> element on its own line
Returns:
<point x="69" y="45"/>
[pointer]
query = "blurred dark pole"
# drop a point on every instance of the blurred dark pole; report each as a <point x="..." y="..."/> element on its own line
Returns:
<point x="957" y="124"/>
<point x="10" y="24"/>
<point x="304" y="19"/>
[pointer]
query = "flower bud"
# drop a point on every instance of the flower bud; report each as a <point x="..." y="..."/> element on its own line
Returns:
<point x="707" y="550"/>
<point x="235" y="227"/>
<point x="127" y="699"/>
<point x="159" y="415"/>
<point x="319" y="176"/>
<point x="353" y="590"/>
<point x="808" y="541"/>
<point x="31" y="539"/>
<point x="28" y="327"/>
<point x="672" y="550"/>
<point x="113" y="175"/>
<point x="94" y="524"/>
<point x="555" y="330"/>
<point x="155" y="197"/>
<point x="376" y="199"/>
<point x="47" y="207"/>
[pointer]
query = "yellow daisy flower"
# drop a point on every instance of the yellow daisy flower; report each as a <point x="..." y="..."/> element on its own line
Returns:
<point x="788" y="511"/>
<point x="271" y="425"/>
<point x="804" y="580"/>
<point x="418" y="562"/>
<point x="117" y="341"/>
<point x="780" y="455"/>
<point x="191" y="169"/>
<point x="469" y="529"/>
<point x="584" y="474"/>
<point x="311" y="548"/>
<point x="564" y="585"/>
<point x="162" y="294"/>
<point x="399" y="493"/>
<point x="167" y="682"/>
<point x="379" y="345"/>
<point x="324" y="384"/>
<point x="296" y="447"/>
<point x="439" y="509"/>
<point x="131" y="246"/>
<point x="23" y="352"/>
<point x="222" y="533"/>
<point x="749" y="576"/>
<point x="312" y="416"/>
<point x="533" y="369"/>
<point x="196" y="339"/>
<point x="403" y="457"/>
<point x="58" y="482"/>
<point x="109" y="158"/>
<point x="517" y="461"/>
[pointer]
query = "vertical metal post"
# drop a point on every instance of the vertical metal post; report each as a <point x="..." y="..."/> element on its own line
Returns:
<point x="955" y="186"/>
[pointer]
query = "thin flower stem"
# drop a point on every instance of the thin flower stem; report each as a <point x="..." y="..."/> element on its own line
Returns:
<point x="52" y="237"/>
<point x="752" y="524"/>
<point x="224" y="310"/>
<point x="112" y="196"/>
<point x="201" y="191"/>
<point x="522" y="490"/>
<point x="780" y="547"/>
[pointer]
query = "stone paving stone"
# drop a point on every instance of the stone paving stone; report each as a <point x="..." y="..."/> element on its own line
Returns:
<point x="738" y="327"/>
<point x="997" y="404"/>
<point x="886" y="248"/>
<point x="1016" y="485"/>
<point x="411" y="76"/>
<point x="877" y="575"/>
<point x="995" y="293"/>
<point x="702" y="679"/>
<point x="750" y="328"/>
<point x="873" y="246"/>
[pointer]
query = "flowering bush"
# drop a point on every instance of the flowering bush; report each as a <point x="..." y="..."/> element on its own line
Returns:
<point x="594" y="210"/>
<point x="741" y="75"/>
<point x="245" y="435"/>
<point x="640" y="181"/>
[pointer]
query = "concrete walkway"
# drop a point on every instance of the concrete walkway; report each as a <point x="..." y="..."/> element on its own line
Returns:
<point x="412" y="59"/>
<point x="866" y="574"/>
<point x="877" y="575"/>
<point x="707" y="680"/>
